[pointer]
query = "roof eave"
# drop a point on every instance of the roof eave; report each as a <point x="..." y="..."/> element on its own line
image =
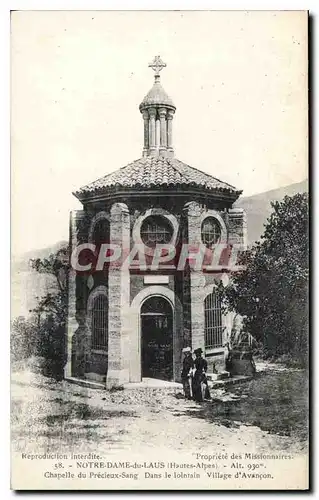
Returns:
<point x="114" y="192"/>
<point x="144" y="106"/>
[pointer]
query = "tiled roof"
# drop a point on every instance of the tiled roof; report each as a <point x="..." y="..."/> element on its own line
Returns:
<point x="157" y="96"/>
<point x="155" y="172"/>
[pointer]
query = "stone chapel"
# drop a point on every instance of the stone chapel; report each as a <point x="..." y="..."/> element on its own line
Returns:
<point x="125" y="322"/>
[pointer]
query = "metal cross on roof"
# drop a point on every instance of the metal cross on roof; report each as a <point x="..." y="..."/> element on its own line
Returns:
<point x="157" y="65"/>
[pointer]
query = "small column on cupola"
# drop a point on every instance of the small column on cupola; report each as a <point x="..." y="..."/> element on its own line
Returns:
<point x="157" y="109"/>
<point x="163" y="131"/>
<point x="146" y="132"/>
<point x="170" y="116"/>
<point x="152" y="131"/>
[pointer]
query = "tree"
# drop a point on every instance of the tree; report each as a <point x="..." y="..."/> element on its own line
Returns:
<point x="271" y="293"/>
<point x="52" y="311"/>
<point x="23" y="338"/>
<point x="57" y="265"/>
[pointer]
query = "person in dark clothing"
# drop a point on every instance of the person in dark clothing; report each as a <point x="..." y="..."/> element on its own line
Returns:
<point x="228" y="358"/>
<point x="188" y="365"/>
<point x="200" y="385"/>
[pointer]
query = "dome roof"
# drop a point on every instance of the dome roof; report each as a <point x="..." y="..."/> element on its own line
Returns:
<point x="157" y="97"/>
<point x="156" y="172"/>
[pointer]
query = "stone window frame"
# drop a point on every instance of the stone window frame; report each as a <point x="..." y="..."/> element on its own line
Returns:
<point x="214" y="350"/>
<point x="223" y="229"/>
<point x="136" y="232"/>
<point x="135" y="328"/>
<point x="156" y="226"/>
<point x="210" y="231"/>
<point x="97" y="217"/>
<point x="99" y="290"/>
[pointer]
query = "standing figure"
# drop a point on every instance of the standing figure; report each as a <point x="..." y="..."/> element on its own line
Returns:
<point x="200" y="385"/>
<point x="186" y="375"/>
<point x="228" y="358"/>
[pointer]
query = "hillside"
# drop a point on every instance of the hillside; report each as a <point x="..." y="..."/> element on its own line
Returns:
<point x="27" y="284"/>
<point x="258" y="207"/>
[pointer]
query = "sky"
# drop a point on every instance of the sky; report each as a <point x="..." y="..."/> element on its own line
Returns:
<point x="238" y="80"/>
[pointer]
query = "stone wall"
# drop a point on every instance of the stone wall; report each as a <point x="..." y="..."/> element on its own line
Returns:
<point x="119" y="301"/>
<point x="137" y="282"/>
<point x="237" y="226"/>
<point x="77" y="333"/>
<point x="188" y="285"/>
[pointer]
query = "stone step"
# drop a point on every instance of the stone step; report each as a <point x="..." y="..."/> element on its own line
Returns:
<point x="91" y="384"/>
<point x="236" y="379"/>
<point x="218" y="376"/>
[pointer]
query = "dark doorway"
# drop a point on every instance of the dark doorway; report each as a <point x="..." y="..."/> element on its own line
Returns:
<point x="157" y="338"/>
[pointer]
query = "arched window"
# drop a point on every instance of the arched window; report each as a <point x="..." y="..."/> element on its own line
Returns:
<point x="101" y="235"/>
<point x="211" y="231"/>
<point x="213" y="321"/>
<point x="156" y="230"/>
<point x="99" y="323"/>
<point x="101" y="232"/>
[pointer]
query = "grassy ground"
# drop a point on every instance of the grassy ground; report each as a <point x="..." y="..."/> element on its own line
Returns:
<point x="276" y="402"/>
<point x="266" y="414"/>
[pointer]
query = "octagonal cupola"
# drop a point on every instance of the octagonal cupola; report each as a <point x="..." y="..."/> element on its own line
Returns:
<point x="158" y="110"/>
